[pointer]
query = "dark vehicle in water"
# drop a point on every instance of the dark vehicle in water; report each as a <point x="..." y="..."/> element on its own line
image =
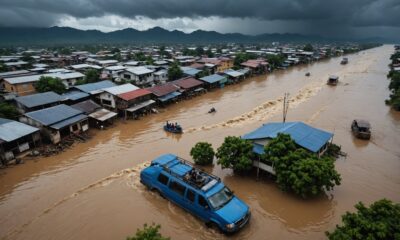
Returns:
<point x="308" y="74"/>
<point x="212" y="110"/>
<point x="344" y="61"/>
<point x="333" y="80"/>
<point x="361" y="129"/>
<point x="173" y="128"/>
<point x="200" y="193"/>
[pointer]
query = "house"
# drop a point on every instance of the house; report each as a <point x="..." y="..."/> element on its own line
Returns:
<point x="106" y="63"/>
<point x="25" y="85"/>
<point x="214" y="81"/>
<point x="188" y="71"/>
<point x="165" y="92"/>
<point x="37" y="101"/>
<point x="161" y="76"/>
<point x="84" y="67"/>
<point x="234" y="76"/>
<point x="256" y="66"/>
<point x="141" y="76"/>
<point x="74" y="96"/>
<point x="98" y="117"/>
<point x="136" y="102"/>
<point x="189" y="86"/>
<point x="312" y="139"/>
<point x="221" y="63"/>
<point x="57" y="122"/>
<point x="16" y="65"/>
<point x="96" y="88"/>
<point x="108" y="98"/>
<point x="113" y="71"/>
<point x="16" y="138"/>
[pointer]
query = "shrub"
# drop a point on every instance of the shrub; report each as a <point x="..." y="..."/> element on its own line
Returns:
<point x="202" y="153"/>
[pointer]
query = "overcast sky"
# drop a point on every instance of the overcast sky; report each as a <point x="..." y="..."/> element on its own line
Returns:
<point x="358" y="18"/>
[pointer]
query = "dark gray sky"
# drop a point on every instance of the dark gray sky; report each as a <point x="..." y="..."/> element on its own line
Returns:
<point x="358" y="18"/>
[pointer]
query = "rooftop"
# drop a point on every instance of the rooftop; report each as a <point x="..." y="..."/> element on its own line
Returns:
<point x="134" y="94"/>
<point x="164" y="89"/>
<point x="87" y="106"/>
<point x="94" y="88"/>
<point x="11" y="130"/>
<point x="139" y="70"/>
<point x="116" y="90"/>
<point x="38" y="99"/>
<point x="213" y="78"/>
<point x="187" y="83"/>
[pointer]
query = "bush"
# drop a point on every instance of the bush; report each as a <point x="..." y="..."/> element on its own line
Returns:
<point x="8" y="111"/>
<point x="46" y="84"/>
<point x="235" y="153"/>
<point x="202" y="153"/>
<point x="148" y="233"/>
<point x="298" y="170"/>
<point x="379" y="221"/>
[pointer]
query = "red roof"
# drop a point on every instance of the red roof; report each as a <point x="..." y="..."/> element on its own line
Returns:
<point x="187" y="83"/>
<point x="134" y="94"/>
<point x="164" y="89"/>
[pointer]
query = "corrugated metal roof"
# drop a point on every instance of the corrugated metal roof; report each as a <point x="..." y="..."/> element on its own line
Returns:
<point x="39" y="99"/>
<point x="187" y="83"/>
<point x="164" y="89"/>
<point x="35" y="78"/>
<point x="74" y="95"/>
<point x="54" y="114"/>
<point x="140" y="105"/>
<point x="213" y="78"/>
<point x="304" y="135"/>
<point x="116" y="90"/>
<point x="134" y="94"/>
<point x="233" y="73"/>
<point x="191" y="71"/>
<point x="87" y="106"/>
<point x="94" y="88"/>
<point x="69" y="121"/>
<point x="103" y="114"/>
<point x="169" y="96"/>
<point x="139" y="70"/>
<point x="11" y="130"/>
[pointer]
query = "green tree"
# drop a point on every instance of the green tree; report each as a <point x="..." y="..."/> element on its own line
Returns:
<point x="174" y="72"/>
<point x="202" y="153"/>
<point x="275" y="60"/>
<point x="209" y="53"/>
<point x="3" y="67"/>
<point x="140" y="57"/>
<point x="235" y="153"/>
<point x="8" y="111"/>
<point x="203" y="73"/>
<point x="298" y="170"/>
<point x="148" y="233"/>
<point x="199" y="51"/>
<point x="308" y="47"/>
<point x="46" y="84"/>
<point x="381" y="220"/>
<point x="91" y="76"/>
<point x="149" y="60"/>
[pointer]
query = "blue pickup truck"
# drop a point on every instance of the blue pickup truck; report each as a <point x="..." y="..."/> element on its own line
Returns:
<point x="202" y="194"/>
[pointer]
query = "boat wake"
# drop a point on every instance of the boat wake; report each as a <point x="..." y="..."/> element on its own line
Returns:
<point x="266" y="110"/>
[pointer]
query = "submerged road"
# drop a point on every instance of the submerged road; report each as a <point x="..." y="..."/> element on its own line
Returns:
<point x="92" y="190"/>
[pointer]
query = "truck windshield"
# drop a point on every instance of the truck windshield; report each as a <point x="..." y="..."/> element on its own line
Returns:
<point x="221" y="198"/>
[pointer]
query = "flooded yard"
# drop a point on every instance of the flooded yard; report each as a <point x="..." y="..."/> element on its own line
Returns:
<point x="92" y="190"/>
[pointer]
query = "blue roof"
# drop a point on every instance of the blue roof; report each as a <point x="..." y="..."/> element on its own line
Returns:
<point x="39" y="99"/>
<point x="74" y="95"/>
<point x="94" y="87"/>
<point x="191" y="71"/>
<point x="11" y="130"/>
<point x="68" y="121"/>
<point x="304" y="135"/>
<point x="169" y="96"/>
<point x="53" y="115"/>
<point x="214" y="78"/>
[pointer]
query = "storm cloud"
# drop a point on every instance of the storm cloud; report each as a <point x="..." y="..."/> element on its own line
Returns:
<point x="313" y="15"/>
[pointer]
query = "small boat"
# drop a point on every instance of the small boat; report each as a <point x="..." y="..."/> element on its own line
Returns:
<point x="344" y="61"/>
<point x="361" y="129"/>
<point x="308" y="74"/>
<point x="333" y="80"/>
<point x="173" y="128"/>
<point x="212" y="110"/>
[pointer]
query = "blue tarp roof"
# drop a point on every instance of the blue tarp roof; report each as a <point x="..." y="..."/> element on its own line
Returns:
<point x="11" y="130"/>
<point x="74" y="95"/>
<point x="53" y="115"/>
<point x="169" y="96"/>
<point x="304" y="135"/>
<point x="39" y="99"/>
<point x="93" y="87"/>
<point x="214" y="78"/>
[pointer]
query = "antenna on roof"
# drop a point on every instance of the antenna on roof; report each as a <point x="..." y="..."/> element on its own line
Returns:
<point x="285" y="106"/>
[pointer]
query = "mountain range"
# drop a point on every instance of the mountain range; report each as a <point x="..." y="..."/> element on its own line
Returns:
<point x="66" y="35"/>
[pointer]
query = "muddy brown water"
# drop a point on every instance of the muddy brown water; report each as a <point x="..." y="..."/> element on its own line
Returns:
<point x="92" y="190"/>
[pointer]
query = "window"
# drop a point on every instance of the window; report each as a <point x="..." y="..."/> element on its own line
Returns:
<point x="75" y="127"/>
<point x="162" y="179"/>
<point x="127" y="76"/>
<point x="177" y="187"/>
<point x="203" y="202"/>
<point x="190" y="195"/>
<point x="106" y="102"/>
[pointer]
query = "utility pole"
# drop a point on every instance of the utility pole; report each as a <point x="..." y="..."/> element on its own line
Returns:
<point x="285" y="106"/>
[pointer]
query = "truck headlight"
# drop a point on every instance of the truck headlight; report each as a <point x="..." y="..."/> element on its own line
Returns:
<point x="230" y="226"/>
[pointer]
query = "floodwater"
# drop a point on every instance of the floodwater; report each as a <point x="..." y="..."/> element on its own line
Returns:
<point x="92" y="190"/>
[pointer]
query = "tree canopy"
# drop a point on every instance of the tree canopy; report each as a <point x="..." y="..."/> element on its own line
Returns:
<point x="298" y="170"/>
<point x="308" y="47"/>
<point x="174" y="72"/>
<point x="92" y="75"/>
<point x="202" y="153"/>
<point x="275" y="60"/>
<point x="242" y="57"/>
<point x="148" y="233"/>
<point x="47" y="83"/>
<point x="394" y="86"/>
<point x="235" y="153"/>
<point x="381" y="220"/>
<point x="8" y="111"/>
